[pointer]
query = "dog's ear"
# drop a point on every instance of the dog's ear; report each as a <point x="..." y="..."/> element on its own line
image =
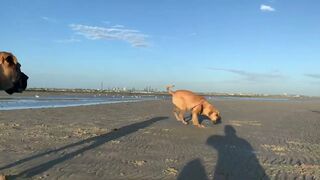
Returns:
<point x="1" y="59"/>
<point x="9" y="59"/>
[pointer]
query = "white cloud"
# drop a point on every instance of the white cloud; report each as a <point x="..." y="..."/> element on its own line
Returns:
<point x="266" y="8"/>
<point x="134" y="37"/>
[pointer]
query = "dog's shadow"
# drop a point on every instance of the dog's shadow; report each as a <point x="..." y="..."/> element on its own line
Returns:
<point x="81" y="146"/>
<point x="315" y="111"/>
<point x="202" y="118"/>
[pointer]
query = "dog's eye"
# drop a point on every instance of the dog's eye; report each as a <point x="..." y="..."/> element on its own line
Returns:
<point x="210" y="113"/>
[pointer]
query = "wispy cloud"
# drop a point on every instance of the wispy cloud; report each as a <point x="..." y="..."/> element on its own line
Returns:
<point x="71" y="40"/>
<point x="118" y="32"/>
<point x="193" y="34"/>
<point x="118" y="26"/>
<point x="316" y="76"/>
<point x="48" y="19"/>
<point x="266" y="8"/>
<point x="251" y="76"/>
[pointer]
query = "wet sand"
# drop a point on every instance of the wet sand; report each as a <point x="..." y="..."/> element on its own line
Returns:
<point x="142" y="140"/>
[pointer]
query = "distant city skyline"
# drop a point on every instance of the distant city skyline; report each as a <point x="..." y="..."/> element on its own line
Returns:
<point x="263" y="47"/>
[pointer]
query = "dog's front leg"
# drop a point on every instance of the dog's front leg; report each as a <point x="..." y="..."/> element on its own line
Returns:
<point x="195" y="111"/>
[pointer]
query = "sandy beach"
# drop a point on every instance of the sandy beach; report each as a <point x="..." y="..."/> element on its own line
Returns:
<point x="142" y="140"/>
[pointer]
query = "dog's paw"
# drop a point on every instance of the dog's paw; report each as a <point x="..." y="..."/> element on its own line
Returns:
<point x="185" y="122"/>
<point x="200" y="126"/>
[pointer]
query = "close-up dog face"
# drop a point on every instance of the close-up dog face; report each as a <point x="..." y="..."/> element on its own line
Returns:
<point x="214" y="116"/>
<point x="12" y="80"/>
<point x="211" y="112"/>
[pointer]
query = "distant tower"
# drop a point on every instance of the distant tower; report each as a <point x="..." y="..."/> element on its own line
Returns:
<point x="101" y="86"/>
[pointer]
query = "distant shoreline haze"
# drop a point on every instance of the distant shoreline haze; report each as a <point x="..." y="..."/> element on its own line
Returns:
<point x="155" y="92"/>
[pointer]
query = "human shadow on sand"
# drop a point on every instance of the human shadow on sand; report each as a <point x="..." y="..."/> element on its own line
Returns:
<point x="236" y="160"/>
<point x="85" y="145"/>
<point x="236" y="157"/>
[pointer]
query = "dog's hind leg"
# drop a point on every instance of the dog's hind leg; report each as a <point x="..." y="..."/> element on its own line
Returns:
<point x="179" y="114"/>
<point x="176" y="112"/>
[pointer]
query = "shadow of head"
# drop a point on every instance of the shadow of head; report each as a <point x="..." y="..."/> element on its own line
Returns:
<point x="193" y="170"/>
<point x="229" y="131"/>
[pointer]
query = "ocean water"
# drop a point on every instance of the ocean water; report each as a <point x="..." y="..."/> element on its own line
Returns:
<point x="35" y="102"/>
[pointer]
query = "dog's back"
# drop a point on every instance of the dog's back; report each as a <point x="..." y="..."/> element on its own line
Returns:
<point x="184" y="99"/>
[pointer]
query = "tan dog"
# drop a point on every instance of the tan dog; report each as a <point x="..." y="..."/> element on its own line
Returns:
<point x="2" y="177"/>
<point x="11" y="78"/>
<point x="184" y="101"/>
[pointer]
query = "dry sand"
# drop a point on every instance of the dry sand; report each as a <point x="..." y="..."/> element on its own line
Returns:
<point x="255" y="140"/>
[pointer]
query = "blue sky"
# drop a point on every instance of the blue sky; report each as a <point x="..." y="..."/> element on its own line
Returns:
<point x="262" y="46"/>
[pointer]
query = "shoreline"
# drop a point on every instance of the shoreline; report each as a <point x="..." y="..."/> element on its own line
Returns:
<point x="66" y="106"/>
<point x="160" y="93"/>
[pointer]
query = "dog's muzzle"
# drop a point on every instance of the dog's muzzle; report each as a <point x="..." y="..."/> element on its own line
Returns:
<point x="19" y="85"/>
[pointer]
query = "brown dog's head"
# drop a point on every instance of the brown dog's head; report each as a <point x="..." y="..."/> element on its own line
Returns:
<point x="210" y="111"/>
<point x="11" y="78"/>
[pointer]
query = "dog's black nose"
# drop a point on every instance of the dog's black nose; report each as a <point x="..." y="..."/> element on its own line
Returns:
<point x="24" y="76"/>
<point x="23" y="81"/>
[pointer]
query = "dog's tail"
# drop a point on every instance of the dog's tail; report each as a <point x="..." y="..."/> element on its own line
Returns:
<point x="169" y="89"/>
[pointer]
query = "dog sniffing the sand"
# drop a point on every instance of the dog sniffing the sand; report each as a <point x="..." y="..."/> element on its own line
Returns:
<point x="12" y="80"/>
<point x="185" y="100"/>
